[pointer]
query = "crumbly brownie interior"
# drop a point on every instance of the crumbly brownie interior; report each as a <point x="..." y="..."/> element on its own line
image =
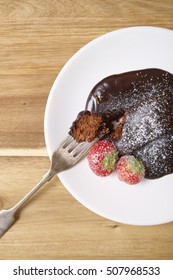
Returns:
<point x="89" y="126"/>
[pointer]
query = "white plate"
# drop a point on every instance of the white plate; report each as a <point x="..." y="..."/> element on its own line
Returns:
<point x="150" y="202"/>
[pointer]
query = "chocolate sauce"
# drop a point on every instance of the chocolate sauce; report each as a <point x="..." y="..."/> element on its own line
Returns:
<point x="146" y="96"/>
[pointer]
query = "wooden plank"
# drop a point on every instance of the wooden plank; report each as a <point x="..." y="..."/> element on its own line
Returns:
<point x="84" y="9"/>
<point x="53" y="225"/>
<point x="22" y="104"/>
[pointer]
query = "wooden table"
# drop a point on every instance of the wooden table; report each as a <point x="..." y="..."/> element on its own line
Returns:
<point x="37" y="38"/>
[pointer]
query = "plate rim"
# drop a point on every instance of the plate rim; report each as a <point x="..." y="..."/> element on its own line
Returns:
<point x="60" y="74"/>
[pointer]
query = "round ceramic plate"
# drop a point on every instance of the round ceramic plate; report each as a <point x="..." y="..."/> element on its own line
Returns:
<point x="133" y="48"/>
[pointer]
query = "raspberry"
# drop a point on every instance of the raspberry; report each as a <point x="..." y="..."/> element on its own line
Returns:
<point x="102" y="158"/>
<point x="130" y="170"/>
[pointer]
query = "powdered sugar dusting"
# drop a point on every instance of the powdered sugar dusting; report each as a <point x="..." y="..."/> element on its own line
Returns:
<point x="157" y="156"/>
<point x="146" y="122"/>
<point x="147" y="98"/>
<point x="145" y="87"/>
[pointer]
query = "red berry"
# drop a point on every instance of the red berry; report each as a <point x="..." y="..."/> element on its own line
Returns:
<point x="102" y="158"/>
<point x="130" y="170"/>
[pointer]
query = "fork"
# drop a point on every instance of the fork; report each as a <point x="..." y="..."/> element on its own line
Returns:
<point x="68" y="153"/>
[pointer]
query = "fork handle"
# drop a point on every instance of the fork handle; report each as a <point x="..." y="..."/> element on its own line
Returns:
<point x="46" y="178"/>
<point x="7" y="217"/>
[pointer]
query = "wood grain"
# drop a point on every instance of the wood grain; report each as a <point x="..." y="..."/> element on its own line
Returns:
<point x="53" y="225"/>
<point x="37" y="38"/>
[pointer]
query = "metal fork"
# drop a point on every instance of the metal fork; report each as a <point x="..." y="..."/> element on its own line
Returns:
<point x="68" y="153"/>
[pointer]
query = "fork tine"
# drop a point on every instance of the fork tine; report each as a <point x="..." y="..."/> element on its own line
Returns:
<point x="82" y="149"/>
<point x="74" y="149"/>
<point x="66" y="142"/>
<point x="79" y="148"/>
<point x="72" y="145"/>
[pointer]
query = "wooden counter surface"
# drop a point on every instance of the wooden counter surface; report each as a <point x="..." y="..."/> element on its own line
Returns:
<point x="36" y="40"/>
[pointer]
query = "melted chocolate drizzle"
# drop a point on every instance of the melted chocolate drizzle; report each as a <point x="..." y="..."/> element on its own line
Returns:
<point x="146" y="96"/>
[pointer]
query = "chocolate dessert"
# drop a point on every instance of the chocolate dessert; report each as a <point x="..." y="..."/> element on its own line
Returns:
<point x="157" y="156"/>
<point x="89" y="126"/>
<point x="144" y="101"/>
